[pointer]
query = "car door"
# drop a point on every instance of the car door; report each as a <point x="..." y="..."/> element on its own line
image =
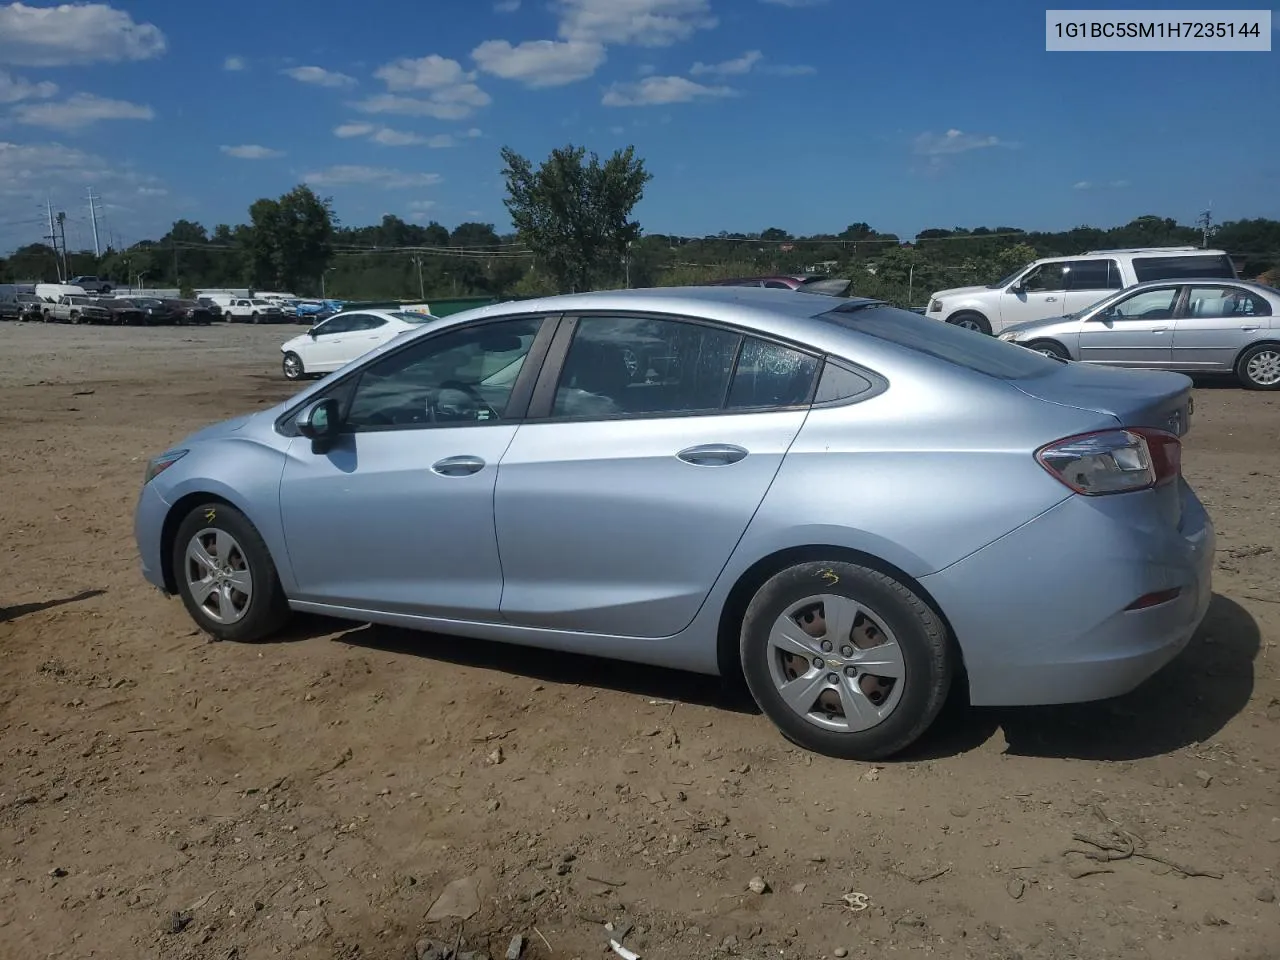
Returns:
<point x="1213" y="324"/>
<point x="367" y="330"/>
<point x="325" y="351"/>
<point x="1134" y="331"/>
<point x="397" y="515"/>
<point x="1088" y="281"/>
<point x="1040" y="293"/>
<point x="648" y="448"/>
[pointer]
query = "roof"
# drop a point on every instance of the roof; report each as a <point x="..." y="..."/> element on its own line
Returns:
<point x="1154" y="250"/>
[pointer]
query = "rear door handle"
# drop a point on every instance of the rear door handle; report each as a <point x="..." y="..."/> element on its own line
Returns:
<point x="458" y="466"/>
<point x="712" y="454"/>
<point x="1159" y="329"/>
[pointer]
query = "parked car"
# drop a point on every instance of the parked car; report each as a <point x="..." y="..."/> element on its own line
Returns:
<point x="851" y="505"/>
<point x="188" y="312"/>
<point x="1056" y="286"/>
<point x="21" y="306"/>
<point x="808" y="283"/>
<point x="92" y="284"/>
<point x="76" y="309"/>
<point x="124" y="312"/>
<point x="215" y="310"/>
<point x="1199" y="326"/>
<point x="245" y="310"/>
<point x="333" y="343"/>
<point x="313" y="311"/>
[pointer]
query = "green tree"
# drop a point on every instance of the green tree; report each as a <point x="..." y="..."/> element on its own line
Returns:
<point x="291" y="241"/>
<point x="575" y="215"/>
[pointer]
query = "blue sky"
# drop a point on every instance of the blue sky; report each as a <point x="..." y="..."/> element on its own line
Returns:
<point x="804" y="114"/>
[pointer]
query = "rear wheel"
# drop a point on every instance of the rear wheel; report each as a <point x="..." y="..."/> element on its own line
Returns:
<point x="970" y="320"/>
<point x="292" y="366"/>
<point x="1259" y="367"/>
<point x="225" y="575"/>
<point x="845" y="660"/>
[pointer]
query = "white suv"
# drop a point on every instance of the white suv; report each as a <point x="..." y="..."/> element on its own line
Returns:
<point x="1058" y="286"/>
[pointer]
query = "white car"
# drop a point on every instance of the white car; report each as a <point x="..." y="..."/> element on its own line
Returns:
<point x="333" y="343"/>
<point x="1057" y="286"/>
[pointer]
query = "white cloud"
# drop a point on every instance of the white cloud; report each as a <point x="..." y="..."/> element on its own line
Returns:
<point x="729" y="68"/>
<point x="1090" y="185"/>
<point x="652" y="91"/>
<point x="1082" y="185"/>
<point x="455" y="103"/>
<point x="789" y="70"/>
<point x="152" y="192"/>
<point x="28" y="170"/>
<point x="396" y="138"/>
<point x="955" y="141"/>
<point x="474" y="133"/>
<point x="419" y="205"/>
<point x="348" y="130"/>
<point x="432" y="72"/>
<point x="320" y="76"/>
<point x="540" y="63"/>
<point x="251" y="151"/>
<point x="80" y="110"/>
<point x="1118" y="184"/>
<point x="506" y="6"/>
<point x="349" y="174"/>
<point x="646" y="23"/>
<point x="14" y="89"/>
<point x="74" y="35"/>
<point x="234" y="63"/>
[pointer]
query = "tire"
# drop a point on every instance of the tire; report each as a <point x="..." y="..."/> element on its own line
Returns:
<point x="291" y="365"/>
<point x="75" y="318"/>
<point x="916" y="646"/>
<point x="1259" y="367"/>
<point x="245" y="616"/>
<point x="970" y="320"/>
<point x="254" y="318"/>
<point x="48" y="317"/>
<point x="1049" y="348"/>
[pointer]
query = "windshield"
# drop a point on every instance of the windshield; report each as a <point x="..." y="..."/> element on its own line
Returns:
<point x="1005" y="281"/>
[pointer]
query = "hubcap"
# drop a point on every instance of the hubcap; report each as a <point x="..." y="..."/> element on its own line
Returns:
<point x="1264" y="368"/>
<point x="291" y="366"/>
<point x="835" y="663"/>
<point x="1048" y="353"/>
<point x="218" y="576"/>
<point x="968" y="324"/>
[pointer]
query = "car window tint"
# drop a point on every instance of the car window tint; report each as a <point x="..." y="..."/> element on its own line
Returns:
<point x="771" y="375"/>
<point x="839" y="383"/>
<point x="1047" y="276"/>
<point x="336" y="325"/>
<point x="1190" y="267"/>
<point x="628" y="366"/>
<point x="966" y="348"/>
<point x="1147" y="305"/>
<point x="1225" y="302"/>
<point x="777" y="285"/>
<point x="1093" y="275"/>
<point x="461" y="376"/>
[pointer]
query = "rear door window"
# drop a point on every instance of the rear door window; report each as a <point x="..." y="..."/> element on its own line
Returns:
<point x="1193" y="266"/>
<point x="1093" y="275"/>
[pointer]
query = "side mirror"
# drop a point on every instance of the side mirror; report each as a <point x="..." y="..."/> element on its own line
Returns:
<point x="1018" y="288"/>
<point x="311" y="332"/>
<point x="318" y="422"/>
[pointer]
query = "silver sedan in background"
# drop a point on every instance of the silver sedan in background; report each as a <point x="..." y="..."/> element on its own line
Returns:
<point x="851" y="505"/>
<point x="1193" y="326"/>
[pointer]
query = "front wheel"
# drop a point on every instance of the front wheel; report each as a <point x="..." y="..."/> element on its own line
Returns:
<point x="225" y="575"/>
<point x="1049" y="348"/>
<point x="1259" y="367"/>
<point x="254" y="318"/>
<point x="846" y="661"/>
<point x="970" y="320"/>
<point x="292" y="366"/>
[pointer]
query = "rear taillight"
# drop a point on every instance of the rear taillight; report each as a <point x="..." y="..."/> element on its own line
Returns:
<point x="1114" y="461"/>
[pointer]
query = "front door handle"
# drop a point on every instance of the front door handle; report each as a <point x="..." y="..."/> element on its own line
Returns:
<point x="1159" y="329"/>
<point x="1050" y="299"/>
<point x="457" y="466"/>
<point x="712" y="454"/>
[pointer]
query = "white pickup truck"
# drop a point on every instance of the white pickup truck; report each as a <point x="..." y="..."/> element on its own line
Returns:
<point x="245" y="310"/>
<point x="1058" y="286"/>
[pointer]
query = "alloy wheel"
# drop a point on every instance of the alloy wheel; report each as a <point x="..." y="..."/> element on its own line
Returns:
<point x="218" y="575"/>
<point x="1263" y="368"/>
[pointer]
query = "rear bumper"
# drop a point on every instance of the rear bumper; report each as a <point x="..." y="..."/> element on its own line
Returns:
<point x="1041" y="614"/>
<point x="148" y="530"/>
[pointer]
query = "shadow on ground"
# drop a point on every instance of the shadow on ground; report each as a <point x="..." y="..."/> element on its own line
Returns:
<point x="1187" y="702"/>
<point x="21" y="610"/>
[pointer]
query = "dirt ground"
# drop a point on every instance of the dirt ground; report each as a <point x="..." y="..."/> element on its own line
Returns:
<point x="162" y="796"/>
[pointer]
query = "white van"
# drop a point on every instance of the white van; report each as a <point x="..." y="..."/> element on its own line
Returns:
<point x="51" y="292"/>
<point x="1058" y="286"/>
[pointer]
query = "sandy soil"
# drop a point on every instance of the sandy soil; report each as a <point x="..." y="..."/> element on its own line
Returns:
<point x="161" y="796"/>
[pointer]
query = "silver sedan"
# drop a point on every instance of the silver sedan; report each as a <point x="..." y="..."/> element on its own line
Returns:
<point x="1193" y="326"/>
<point x="851" y="505"/>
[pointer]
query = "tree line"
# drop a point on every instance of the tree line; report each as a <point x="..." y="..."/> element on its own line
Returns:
<point x="574" y="231"/>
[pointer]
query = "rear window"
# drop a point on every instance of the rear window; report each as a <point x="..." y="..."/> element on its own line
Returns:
<point x="411" y="316"/>
<point x="1216" y="266"/>
<point x="943" y="341"/>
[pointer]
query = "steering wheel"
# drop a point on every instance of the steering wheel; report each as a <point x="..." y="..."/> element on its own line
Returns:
<point x="455" y="400"/>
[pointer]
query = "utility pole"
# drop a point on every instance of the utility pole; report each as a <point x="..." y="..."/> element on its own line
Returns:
<point x="93" y="219"/>
<point x="53" y="239"/>
<point x="62" y="229"/>
<point x="1205" y="223"/>
<point x="422" y="291"/>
